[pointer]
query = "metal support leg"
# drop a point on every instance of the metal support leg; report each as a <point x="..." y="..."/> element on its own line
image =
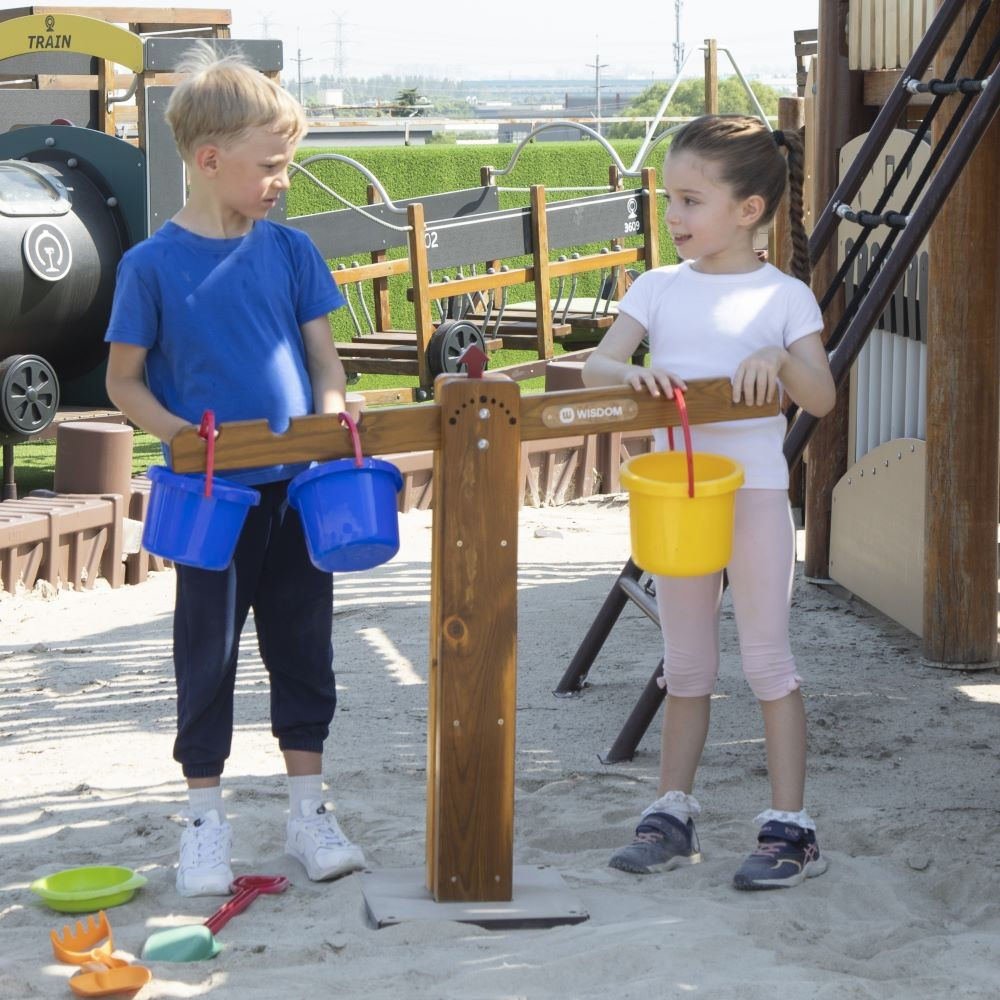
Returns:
<point x="638" y="722"/>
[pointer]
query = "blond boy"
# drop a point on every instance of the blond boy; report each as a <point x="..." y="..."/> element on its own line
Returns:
<point x="223" y="310"/>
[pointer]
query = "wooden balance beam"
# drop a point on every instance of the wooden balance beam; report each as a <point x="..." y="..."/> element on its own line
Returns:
<point x="476" y="426"/>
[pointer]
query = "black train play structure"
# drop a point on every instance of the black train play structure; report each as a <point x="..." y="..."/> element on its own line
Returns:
<point x="74" y="198"/>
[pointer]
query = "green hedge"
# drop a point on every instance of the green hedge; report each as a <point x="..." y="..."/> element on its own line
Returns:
<point x="411" y="171"/>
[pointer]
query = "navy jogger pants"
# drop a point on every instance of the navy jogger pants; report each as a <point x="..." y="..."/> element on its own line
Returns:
<point x="292" y="603"/>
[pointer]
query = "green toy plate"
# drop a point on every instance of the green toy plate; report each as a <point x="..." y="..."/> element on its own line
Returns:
<point x="84" y="890"/>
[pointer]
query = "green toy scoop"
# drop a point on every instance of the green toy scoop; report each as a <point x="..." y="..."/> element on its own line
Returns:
<point x="192" y="943"/>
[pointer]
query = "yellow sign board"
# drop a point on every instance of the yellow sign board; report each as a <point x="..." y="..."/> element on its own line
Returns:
<point x="22" y="36"/>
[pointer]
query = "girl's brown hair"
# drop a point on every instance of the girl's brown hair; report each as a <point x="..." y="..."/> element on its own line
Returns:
<point x="750" y="160"/>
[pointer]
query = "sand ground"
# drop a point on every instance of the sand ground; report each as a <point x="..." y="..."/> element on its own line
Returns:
<point x="903" y="783"/>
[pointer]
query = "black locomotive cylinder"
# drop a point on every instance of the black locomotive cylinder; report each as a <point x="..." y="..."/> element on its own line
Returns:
<point x="60" y="243"/>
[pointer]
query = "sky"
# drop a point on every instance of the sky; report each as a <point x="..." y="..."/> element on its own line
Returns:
<point x="460" y="39"/>
<point x="524" y="39"/>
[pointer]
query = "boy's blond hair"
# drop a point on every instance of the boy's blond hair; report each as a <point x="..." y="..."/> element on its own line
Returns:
<point x="222" y="98"/>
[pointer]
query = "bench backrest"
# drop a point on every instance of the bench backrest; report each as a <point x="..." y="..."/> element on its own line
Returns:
<point x="345" y="231"/>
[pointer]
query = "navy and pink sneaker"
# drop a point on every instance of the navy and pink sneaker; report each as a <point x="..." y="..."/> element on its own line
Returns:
<point x="786" y="855"/>
<point x="661" y="843"/>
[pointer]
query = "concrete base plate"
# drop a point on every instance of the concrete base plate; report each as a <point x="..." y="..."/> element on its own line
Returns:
<point x="541" y="899"/>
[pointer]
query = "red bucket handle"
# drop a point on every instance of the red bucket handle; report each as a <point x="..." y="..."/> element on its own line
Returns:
<point x="686" y="427"/>
<point x="348" y="421"/>
<point x="207" y="431"/>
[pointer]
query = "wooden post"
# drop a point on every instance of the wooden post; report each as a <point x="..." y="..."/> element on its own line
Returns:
<point x="540" y="253"/>
<point x="486" y="180"/>
<point x="423" y="320"/>
<point x="963" y="406"/>
<point x="615" y="184"/>
<point x="105" y="84"/>
<point x="711" y="76"/>
<point x="791" y="117"/>
<point x="811" y="134"/>
<point x="140" y="113"/>
<point x="473" y="665"/>
<point x="840" y="116"/>
<point x="650" y="220"/>
<point x="380" y="285"/>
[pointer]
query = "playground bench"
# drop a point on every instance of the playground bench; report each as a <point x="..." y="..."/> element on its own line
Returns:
<point x="536" y="231"/>
<point x="458" y="245"/>
<point x="378" y="347"/>
<point x="67" y="540"/>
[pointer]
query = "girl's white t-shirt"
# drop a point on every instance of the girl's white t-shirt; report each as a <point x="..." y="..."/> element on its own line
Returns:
<point x="703" y="326"/>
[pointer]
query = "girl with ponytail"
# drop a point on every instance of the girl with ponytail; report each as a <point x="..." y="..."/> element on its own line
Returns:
<point x="722" y="311"/>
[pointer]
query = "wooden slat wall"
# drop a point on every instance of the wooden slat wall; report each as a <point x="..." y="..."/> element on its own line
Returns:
<point x="882" y="34"/>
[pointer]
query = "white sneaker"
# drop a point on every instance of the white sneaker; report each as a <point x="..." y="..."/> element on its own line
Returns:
<point x="315" y="839"/>
<point x="206" y="849"/>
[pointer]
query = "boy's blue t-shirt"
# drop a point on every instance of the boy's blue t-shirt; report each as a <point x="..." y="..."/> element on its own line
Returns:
<point x="220" y="321"/>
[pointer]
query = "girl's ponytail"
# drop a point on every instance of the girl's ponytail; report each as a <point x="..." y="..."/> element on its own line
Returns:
<point x="792" y="141"/>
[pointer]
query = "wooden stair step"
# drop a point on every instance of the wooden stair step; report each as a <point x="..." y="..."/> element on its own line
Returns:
<point x="353" y="350"/>
<point x="590" y="322"/>
<point x="382" y="366"/>
<point x="398" y="340"/>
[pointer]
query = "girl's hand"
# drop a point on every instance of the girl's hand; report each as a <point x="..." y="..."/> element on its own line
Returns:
<point x="653" y="381"/>
<point x="756" y="379"/>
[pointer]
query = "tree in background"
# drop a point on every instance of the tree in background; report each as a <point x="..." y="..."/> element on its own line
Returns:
<point x="689" y="102"/>
<point x="410" y="102"/>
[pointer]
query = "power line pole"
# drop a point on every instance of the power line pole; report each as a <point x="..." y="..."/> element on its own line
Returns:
<point x="339" y="50"/>
<point x="597" y="66"/>
<point x="338" y="43"/>
<point x="300" y="61"/>
<point x="678" y="44"/>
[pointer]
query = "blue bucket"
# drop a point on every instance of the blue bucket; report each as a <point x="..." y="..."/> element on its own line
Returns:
<point x="348" y="512"/>
<point x="185" y="526"/>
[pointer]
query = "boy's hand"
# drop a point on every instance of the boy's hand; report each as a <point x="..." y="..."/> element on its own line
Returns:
<point x="653" y="381"/>
<point x="756" y="379"/>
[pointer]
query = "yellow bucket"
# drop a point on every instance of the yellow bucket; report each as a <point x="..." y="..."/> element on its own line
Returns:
<point x="673" y="533"/>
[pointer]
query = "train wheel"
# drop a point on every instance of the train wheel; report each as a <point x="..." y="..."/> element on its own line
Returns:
<point x="29" y="393"/>
<point x="447" y="343"/>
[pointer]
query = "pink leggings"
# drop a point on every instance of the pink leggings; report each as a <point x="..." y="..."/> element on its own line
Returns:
<point x="760" y="580"/>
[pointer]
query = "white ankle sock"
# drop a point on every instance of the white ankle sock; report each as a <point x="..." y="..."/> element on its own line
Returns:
<point x="304" y="788"/>
<point x="202" y="800"/>
<point x="676" y="803"/>
<point x="800" y="818"/>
